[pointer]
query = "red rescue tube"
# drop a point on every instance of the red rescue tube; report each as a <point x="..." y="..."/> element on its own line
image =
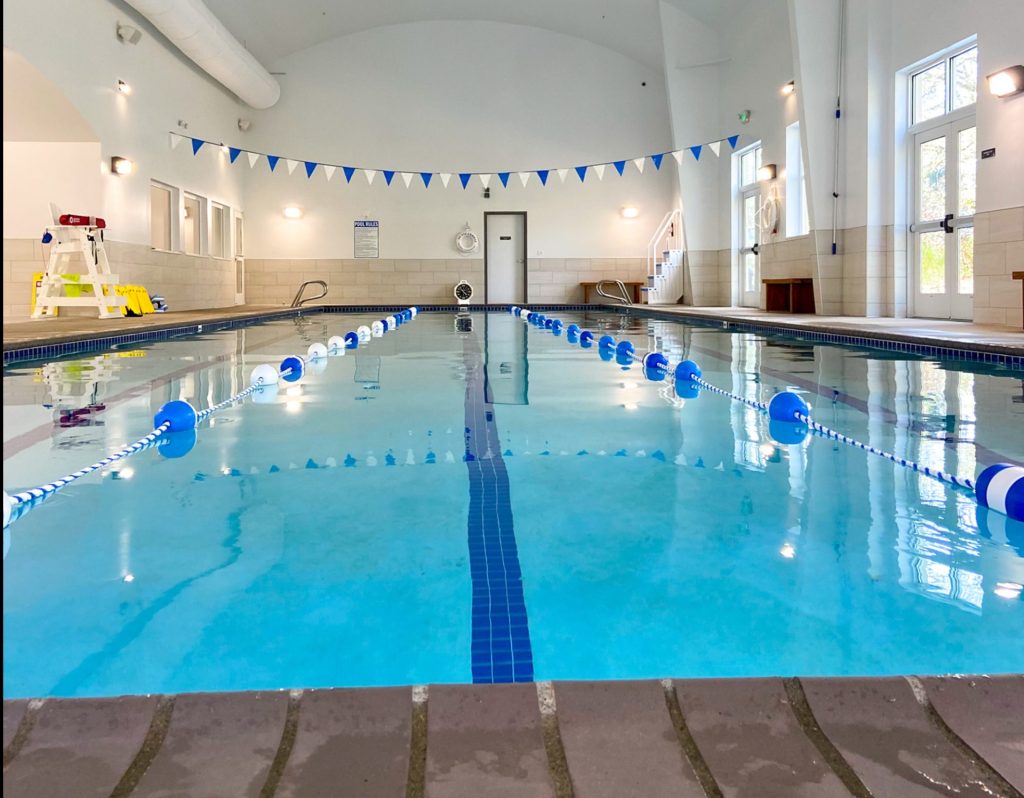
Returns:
<point x="76" y="220"/>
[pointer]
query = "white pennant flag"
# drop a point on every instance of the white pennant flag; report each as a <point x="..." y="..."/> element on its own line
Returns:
<point x="329" y="171"/>
<point x="678" y="155"/>
<point x="562" y="174"/>
<point x="253" y="157"/>
<point x="524" y="178"/>
<point x="599" y="170"/>
<point x="290" y="164"/>
<point x="714" y="147"/>
<point x="639" y="164"/>
<point x="406" y="178"/>
<point x="445" y="177"/>
<point x="485" y="180"/>
<point x="175" y="140"/>
<point x="370" y="174"/>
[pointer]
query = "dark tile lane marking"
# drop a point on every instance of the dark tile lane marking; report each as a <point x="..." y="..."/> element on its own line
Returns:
<point x="151" y="744"/>
<point x="689" y="745"/>
<point x="284" y="750"/>
<point x="28" y="720"/>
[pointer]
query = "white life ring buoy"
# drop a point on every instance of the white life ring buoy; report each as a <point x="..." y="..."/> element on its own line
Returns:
<point x="467" y="242"/>
<point x="769" y="215"/>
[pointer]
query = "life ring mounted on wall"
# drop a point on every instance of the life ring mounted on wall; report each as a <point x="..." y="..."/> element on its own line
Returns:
<point x="467" y="242"/>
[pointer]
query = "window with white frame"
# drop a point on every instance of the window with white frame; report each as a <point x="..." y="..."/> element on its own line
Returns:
<point x="220" y="230"/>
<point x="161" y="203"/>
<point x="944" y="86"/>
<point x="192" y="225"/>
<point x="797" y="221"/>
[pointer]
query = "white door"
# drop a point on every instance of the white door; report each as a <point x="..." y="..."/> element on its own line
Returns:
<point x="750" y="240"/>
<point x="239" y="253"/>
<point x="505" y="257"/>
<point x="942" y="254"/>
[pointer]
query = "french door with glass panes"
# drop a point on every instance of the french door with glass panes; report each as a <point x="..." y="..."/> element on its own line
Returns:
<point x="943" y="230"/>
<point x="750" y="244"/>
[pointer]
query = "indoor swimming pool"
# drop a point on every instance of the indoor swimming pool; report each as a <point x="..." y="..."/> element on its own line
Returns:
<point x="472" y="499"/>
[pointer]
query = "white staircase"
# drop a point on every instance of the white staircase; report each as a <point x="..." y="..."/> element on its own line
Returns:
<point x="666" y="261"/>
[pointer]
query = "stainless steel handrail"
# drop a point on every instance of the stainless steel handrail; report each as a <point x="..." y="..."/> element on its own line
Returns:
<point x="298" y="297"/>
<point x="623" y="294"/>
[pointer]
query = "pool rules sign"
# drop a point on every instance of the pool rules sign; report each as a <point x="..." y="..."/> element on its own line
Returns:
<point x="366" y="243"/>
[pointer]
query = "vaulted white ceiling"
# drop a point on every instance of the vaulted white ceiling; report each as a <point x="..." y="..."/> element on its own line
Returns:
<point x="273" y="29"/>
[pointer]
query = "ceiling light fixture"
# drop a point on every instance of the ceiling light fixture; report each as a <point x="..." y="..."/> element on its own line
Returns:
<point x="292" y="212"/>
<point x="128" y="34"/>
<point x="1006" y="82"/>
<point x="630" y="212"/>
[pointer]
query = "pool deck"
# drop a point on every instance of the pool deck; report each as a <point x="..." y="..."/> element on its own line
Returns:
<point x="769" y="738"/>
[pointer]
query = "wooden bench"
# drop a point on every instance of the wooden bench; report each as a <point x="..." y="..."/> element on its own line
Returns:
<point x="789" y="295"/>
<point x="633" y="288"/>
<point x="1020" y="276"/>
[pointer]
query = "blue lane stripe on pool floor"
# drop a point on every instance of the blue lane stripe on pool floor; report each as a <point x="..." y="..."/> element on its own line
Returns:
<point x="501" y="650"/>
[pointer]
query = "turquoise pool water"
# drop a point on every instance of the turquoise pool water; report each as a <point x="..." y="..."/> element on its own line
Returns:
<point x="601" y="527"/>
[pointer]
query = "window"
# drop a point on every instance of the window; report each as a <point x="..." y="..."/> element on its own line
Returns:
<point x="192" y="226"/>
<point x="945" y="86"/>
<point x="220" y="228"/>
<point x="797" y="221"/>
<point x="239" y="237"/>
<point x="160" y="203"/>
<point x="750" y="162"/>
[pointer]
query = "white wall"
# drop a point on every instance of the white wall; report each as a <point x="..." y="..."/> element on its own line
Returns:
<point x="451" y="96"/>
<point x="73" y="44"/>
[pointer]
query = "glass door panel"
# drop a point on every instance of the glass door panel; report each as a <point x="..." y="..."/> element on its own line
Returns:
<point x="749" y="245"/>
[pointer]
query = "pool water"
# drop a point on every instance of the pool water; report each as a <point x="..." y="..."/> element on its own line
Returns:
<point x="479" y="500"/>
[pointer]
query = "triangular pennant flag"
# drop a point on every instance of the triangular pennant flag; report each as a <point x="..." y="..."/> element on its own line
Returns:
<point x="310" y="168"/>
<point x="639" y="164"/>
<point x="426" y="176"/>
<point x="599" y="170"/>
<point x="253" y="157"/>
<point x="715" y="146"/>
<point x="349" y="171"/>
<point x="581" y="172"/>
<point x="370" y="174"/>
<point x="619" y="166"/>
<point x="524" y="178"/>
<point x="656" y="160"/>
<point x="543" y="175"/>
<point x="196" y="144"/>
<point x="503" y="177"/>
<point x="407" y="178"/>
<point x="485" y="180"/>
<point x="562" y="174"/>
<point x="696" y="152"/>
<point x="464" y="179"/>
<point x="272" y="160"/>
<point x="329" y="171"/>
<point x="389" y="175"/>
<point x="678" y="155"/>
<point x="233" y="153"/>
<point x="290" y="164"/>
<point x="445" y="177"/>
<point x="732" y="141"/>
<point x="175" y="140"/>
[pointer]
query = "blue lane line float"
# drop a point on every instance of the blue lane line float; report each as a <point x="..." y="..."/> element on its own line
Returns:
<point x="586" y="339"/>
<point x="1000" y="487"/>
<point x="351" y="340"/>
<point x="292" y="368"/>
<point x="177" y="415"/>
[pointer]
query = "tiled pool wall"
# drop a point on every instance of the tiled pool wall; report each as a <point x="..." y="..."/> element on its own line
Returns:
<point x="975" y="354"/>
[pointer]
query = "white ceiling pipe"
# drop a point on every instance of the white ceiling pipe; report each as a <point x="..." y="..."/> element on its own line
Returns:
<point x="193" y="28"/>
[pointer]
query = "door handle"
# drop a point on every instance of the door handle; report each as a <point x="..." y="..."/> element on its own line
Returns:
<point x="755" y="249"/>
<point x="946" y="226"/>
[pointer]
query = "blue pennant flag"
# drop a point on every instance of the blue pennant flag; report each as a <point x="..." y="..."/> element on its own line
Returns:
<point x="543" y="175"/>
<point x="272" y="160"/>
<point x="388" y="176"/>
<point x="233" y="153"/>
<point x="732" y="141"/>
<point x="619" y="166"/>
<point x="696" y="151"/>
<point x="503" y="177"/>
<point x="656" y="159"/>
<point x="426" y="178"/>
<point x="349" y="171"/>
<point x="196" y="144"/>
<point x="310" y="168"/>
<point x="464" y="178"/>
<point x="582" y="172"/>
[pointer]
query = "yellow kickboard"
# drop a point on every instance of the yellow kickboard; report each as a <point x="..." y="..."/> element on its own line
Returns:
<point x="137" y="302"/>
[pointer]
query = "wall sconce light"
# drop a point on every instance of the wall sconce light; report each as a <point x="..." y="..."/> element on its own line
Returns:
<point x="121" y="166"/>
<point x="629" y="212"/>
<point x="292" y="212"/>
<point x="789" y="88"/>
<point x="123" y="88"/>
<point x="1006" y="82"/>
<point x="767" y="172"/>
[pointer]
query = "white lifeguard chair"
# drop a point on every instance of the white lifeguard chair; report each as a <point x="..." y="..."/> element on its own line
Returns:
<point x="73" y="234"/>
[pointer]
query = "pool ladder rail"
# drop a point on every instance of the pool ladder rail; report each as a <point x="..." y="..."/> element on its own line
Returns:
<point x="622" y="296"/>
<point x="298" y="301"/>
